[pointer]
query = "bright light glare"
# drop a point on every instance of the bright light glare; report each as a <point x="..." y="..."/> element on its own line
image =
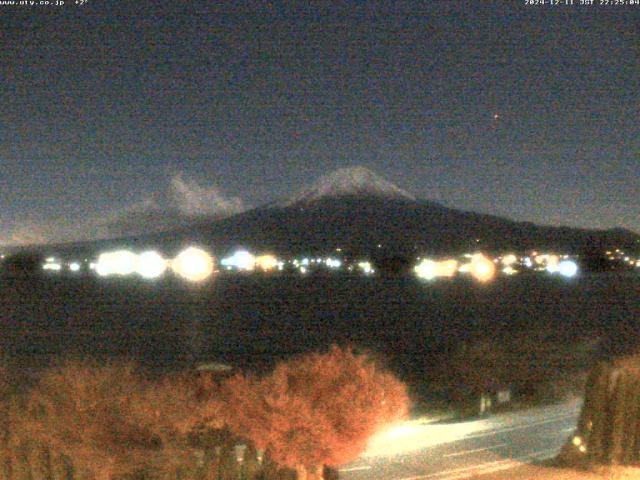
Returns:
<point x="509" y="270"/>
<point x="119" y="262"/>
<point x="464" y="268"/>
<point x="151" y="264"/>
<point x="333" y="263"/>
<point x="193" y="264"/>
<point x="428" y="269"/>
<point x="553" y="263"/>
<point x="508" y="260"/>
<point x="568" y="268"/>
<point x="74" y="266"/>
<point x="482" y="269"/>
<point x="413" y="435"/>
<point x="241" y="260"/>
<point x="52" y="266"/>
<point x="365" y="267"/>
<point x="266" y="262"/>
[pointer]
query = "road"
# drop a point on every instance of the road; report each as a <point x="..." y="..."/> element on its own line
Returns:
<point x="419" y="451"/>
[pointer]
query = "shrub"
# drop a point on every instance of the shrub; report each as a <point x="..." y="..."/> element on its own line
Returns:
<point x="111" y="423"/>
<point x="317" y="409"/>
<point x="83" y="411"/>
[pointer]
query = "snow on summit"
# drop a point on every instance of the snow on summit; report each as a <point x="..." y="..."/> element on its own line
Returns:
<point x="350" y="181"/>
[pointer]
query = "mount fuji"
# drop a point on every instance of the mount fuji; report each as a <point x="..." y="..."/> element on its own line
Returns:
<point x="354" y="181"/>
<point x="363" y="214"/>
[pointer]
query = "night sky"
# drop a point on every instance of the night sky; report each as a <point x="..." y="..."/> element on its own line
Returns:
<point x="204" y="107"/>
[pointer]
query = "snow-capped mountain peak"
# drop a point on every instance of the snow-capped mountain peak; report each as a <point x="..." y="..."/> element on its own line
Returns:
<point x="350" y="181"/>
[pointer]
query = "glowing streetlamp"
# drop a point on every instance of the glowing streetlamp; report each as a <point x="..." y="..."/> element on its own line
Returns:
<point x="568" y="268"/>
<point x="118" y="262"/>
<point x="151" y="264"/>
<point x="193" y="264"/>
<point x="266" y="262"/>
<point x="481" y="268"/>
<point x="429" y="269"/>
<point x="241" y="260"/>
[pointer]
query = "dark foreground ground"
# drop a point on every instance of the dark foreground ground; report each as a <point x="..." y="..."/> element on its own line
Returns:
<point x="251" y="321"/>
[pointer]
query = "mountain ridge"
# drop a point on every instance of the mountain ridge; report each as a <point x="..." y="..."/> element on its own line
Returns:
<point x="356" y="210"/>
<point x="348" y="181"/>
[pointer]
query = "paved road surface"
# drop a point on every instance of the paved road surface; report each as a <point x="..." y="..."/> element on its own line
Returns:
<point x="416" y="451"/>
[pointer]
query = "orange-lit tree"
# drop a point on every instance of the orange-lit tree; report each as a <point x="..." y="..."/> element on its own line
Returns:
<point x="315" y="410"/>
<point x="82" y="411"/>
<point x="111" y="423"/>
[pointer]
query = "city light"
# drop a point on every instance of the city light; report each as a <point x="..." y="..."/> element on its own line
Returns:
<point x="426" y="269"/>
<point x="365" y="267"/>
<point x="568" y="268"/>
<point x="151" y="264"/>
<point x="240" y="260"/>
<point x="193" y="264"/>
<point x="74" y="266"/>
<point x="52" y="266"/>
<point x="553" y="263"/>
<point x="333" y="263"/>
<point x="429" y="269"/>
<point x="509" y="270"/>
<point x="481" y="268"/>
<point x="266" y="262"/>
<point x="508" y="260"/>
<point x="118" y="262"/>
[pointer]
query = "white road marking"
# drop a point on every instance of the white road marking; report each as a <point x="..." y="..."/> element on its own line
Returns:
<point x="457" y="454"/>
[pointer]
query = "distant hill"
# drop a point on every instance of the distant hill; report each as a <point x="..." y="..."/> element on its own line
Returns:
<point x="363" y="214"/>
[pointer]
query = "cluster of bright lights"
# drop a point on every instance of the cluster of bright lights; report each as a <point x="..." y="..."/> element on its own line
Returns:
<point x="479" y="267"/>
<point x="509" y="260"/>
<point x="552" y="263"/>
<point x="53" y="266"/>
<point x="509" y="270"/>
<point x="548" y="262"/>
<point x="365" y="267"/>
<point x="306" y="263"/>
<point x="267" y="263"/>
<point x="192" y="264"/>
<point x="430" y="269"/>
<point x="333" y="263"/>
<point x="118" y="262"/>
<point x="240" y="260"/>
